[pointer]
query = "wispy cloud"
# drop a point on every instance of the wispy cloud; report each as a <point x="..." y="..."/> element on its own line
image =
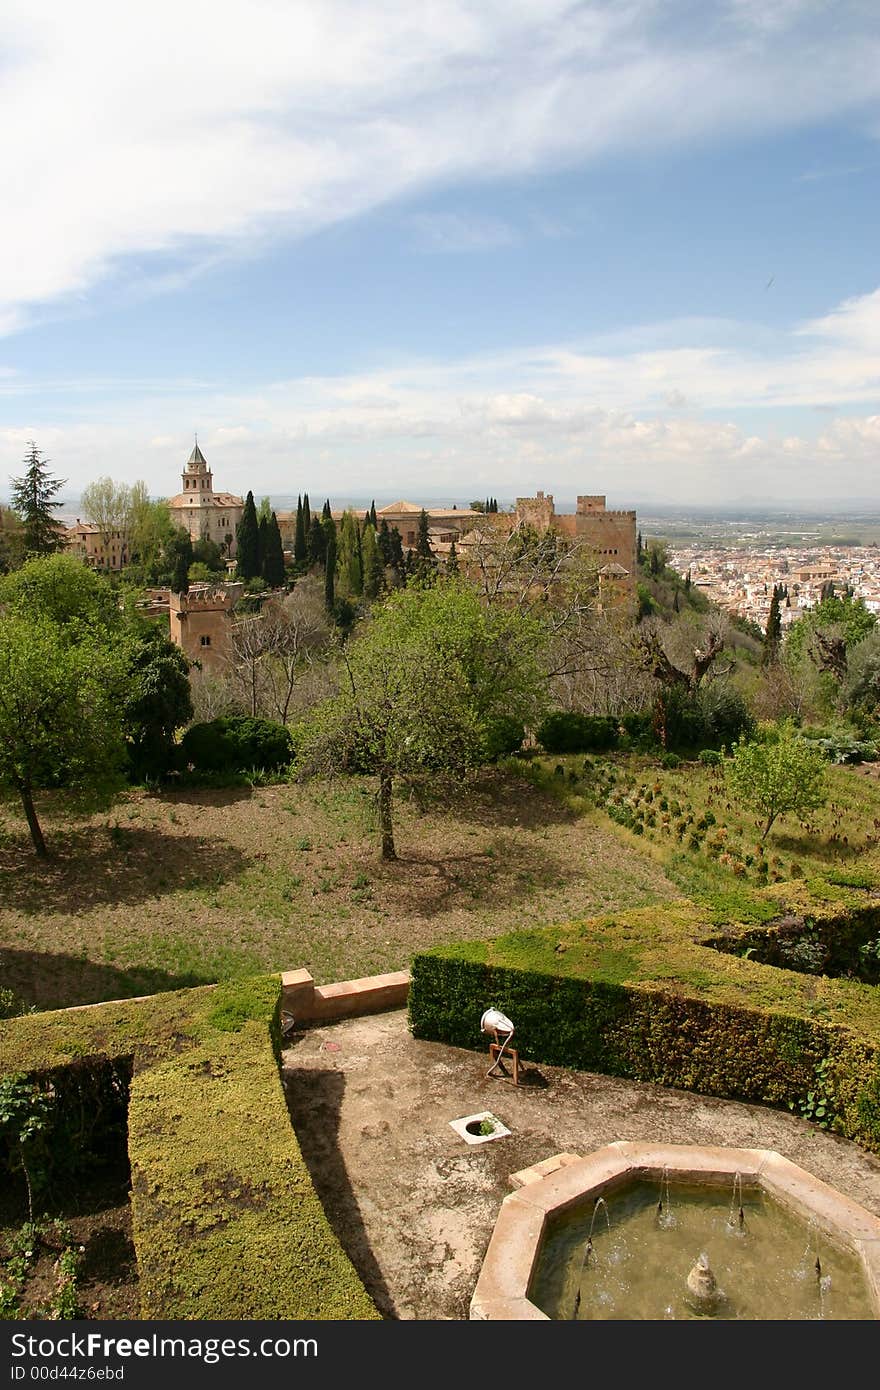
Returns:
<point x="190" y="133"/>
<point x="456" y="233"/>
<point x="575" y="415"/>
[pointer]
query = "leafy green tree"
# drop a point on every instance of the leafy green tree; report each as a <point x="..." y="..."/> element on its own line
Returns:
<point x="32" y="496"/>
<point x="157" y="703"/>
<point x="108" y="505"/>
<point x="63" y="590"/>
<point x="208" y="553"/>
<point x="423" y="688"/>
<point x="247" y="541"/>
<point x="775" y="778"/>
<point x="273" y="559"/>
<point x="60" y="710"/>
<point x="150" y="532"/>
<point x="11" y="540"/>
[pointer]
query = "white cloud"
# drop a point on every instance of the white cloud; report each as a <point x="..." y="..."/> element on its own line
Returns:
<point x="196" y="130"/>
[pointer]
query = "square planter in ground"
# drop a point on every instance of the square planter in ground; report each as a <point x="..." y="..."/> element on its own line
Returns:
<point x="471" y="1126"/>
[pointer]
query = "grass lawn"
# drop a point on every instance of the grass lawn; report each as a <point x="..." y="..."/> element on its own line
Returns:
<point x="186" y="887"/>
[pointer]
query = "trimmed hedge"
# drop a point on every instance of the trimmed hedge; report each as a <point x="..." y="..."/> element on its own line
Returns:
<point x="641" y="995"/>
<point x="227" y="1224"/>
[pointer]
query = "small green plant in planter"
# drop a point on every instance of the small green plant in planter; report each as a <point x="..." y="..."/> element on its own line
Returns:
<point x="486" y="1127"/>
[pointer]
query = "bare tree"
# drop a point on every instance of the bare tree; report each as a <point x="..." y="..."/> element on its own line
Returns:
<point x="271" y="651"/>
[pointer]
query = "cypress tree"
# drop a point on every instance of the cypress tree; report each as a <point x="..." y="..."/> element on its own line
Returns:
<point x="373" y="568"/>
<point x="398" y="559"/>
<point x="247" y="541"/>
<point x="640" y="550"/>
<point x="262" y="542"/>
<point x="452" y="560"/>
<point x="351" y="578"/>
<point x="179" y="550"/>
<point x="307" y="517"/>
<point x="383" y="538"/>
<point x="326" y="513"/>
<point x="423" y="542"/>
<point x="32" y="499"/>
<point x="373" y="521"/>
<point x="317" y="544"/>
<point x="300" y="551"/>
<point x="273" y="560"/>
<point x="330" y="565"/>
<point x="773" y="630"/>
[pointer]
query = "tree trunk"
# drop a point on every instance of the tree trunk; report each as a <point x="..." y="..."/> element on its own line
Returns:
<point x="385" y="822"/>
<point x="27" y="802"/>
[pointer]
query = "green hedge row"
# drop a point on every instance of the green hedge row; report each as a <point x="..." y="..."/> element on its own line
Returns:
<point x="227" y="1224"/>
<point x="640" y="995"/>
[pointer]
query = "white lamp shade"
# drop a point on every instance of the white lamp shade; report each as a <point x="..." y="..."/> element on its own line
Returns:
<point x="494" y="1021"/>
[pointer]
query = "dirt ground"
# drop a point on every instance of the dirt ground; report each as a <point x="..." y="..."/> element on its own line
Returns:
<point x="414" y="1205"/>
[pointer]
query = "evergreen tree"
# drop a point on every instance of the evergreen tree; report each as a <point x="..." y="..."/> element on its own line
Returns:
<point x="373" y="522"/>
<point x="351" y="577"/>
<point x="330" y="564"/>
<point x="179" y="556"/>
<point x="273" y="559"/>
<point x="307" y="518"/>
<point x="423" y="541"/>
<point x="676" y="606"/>
<point x="773" y="631"/>
<point x="265" y="510"/>
<point x="326" y="513"/>
<point x="32" y="495"/>
<point x="247" y="540"/>
<point x="640" y="550"/>
<point x="371" y="559"/>
<point x="452" y="560"/>
<point x="687" y="579"/>
<point x="317" y="544"/>
<point x="383" y="538"/>
<point x="300" y="548"/>
<point x="398" y="559"/>
<point x="262" y="543"/>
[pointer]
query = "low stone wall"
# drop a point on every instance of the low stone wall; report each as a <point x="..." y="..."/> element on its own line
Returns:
<point x="305" y="1002"/>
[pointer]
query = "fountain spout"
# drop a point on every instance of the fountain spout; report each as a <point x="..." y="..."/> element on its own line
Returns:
<point x="701" y="1281"/>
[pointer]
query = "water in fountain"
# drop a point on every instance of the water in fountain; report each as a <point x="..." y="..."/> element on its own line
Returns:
<point x="665" y="1215"/>
<point x="736" y="1220"/>
<point x="627" y="1267"/>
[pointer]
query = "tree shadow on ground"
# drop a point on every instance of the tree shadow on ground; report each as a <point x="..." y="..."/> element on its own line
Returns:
<point x="95" y="866"/>
<point x="50" y="980"/>
<point x="314" y="1103"/>
<point x="173" y="793"/>
<point x="492" y="798"/>
<point x="427" y="885"/>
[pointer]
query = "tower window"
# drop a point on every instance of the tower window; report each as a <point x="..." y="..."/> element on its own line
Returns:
<point x="205" y="641"/>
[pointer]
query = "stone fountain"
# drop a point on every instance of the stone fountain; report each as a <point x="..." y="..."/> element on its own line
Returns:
<point x="547" y="1257"/>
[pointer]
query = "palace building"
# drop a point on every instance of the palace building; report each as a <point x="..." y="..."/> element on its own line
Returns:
<point x="206" y="514"/>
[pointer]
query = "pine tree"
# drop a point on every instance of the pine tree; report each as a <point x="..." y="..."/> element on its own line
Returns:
<point x="330" y="564"/>
<point x="317" y="544"/>
<point x="300" y="550"/>
<point x="452" y="560"/>
<point x="273" y="559"/>
<point x="32" y="499"/>
<point x="247" y="541"/>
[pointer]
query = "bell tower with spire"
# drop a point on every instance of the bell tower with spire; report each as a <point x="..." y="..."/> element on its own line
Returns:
<point x="206" y="514"/>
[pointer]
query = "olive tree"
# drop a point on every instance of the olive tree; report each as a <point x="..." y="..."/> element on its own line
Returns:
<point x="420" y="688"/>
<point x="774" y="778"/>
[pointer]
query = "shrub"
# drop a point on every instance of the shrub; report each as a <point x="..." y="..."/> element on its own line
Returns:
<point x="568" y="732"/>
<point x="235" y="743"/>
<point x="502" y="737"/>
<point x="670" y="760"/>
<point x="710" y="717"/>
<point x="710" y="757"/>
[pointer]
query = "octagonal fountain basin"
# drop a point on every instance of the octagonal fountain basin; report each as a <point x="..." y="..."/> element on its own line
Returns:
<point x="645" y="1231"/>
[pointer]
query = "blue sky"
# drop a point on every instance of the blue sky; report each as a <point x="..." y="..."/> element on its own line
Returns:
<point x="446" y="250"/>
